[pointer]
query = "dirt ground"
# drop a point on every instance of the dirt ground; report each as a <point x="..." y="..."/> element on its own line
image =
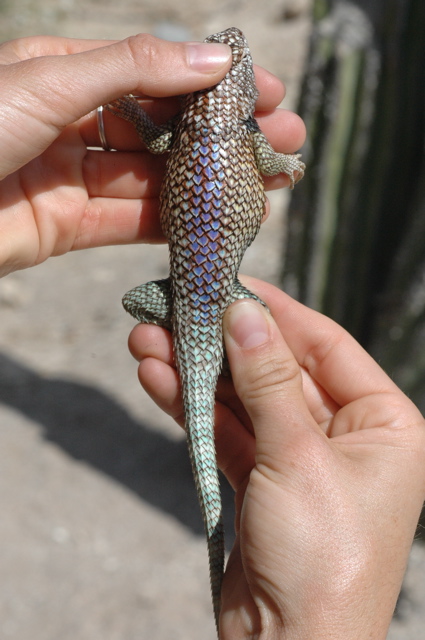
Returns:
<point x="100" y="532"/>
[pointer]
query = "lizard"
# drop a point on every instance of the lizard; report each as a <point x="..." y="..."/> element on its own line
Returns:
<point x="212" y="202"/>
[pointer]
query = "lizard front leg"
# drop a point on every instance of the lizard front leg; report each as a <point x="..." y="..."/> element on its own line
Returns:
<point x="270" y="162"/>
<point x="157" y="138"/>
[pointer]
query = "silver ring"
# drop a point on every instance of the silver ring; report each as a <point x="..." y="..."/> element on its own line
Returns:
<point x="101" y="130"/>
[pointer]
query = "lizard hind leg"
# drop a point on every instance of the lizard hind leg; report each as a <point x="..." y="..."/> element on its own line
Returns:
<point x="150" y="303"/>
<point x="240" y="292"/>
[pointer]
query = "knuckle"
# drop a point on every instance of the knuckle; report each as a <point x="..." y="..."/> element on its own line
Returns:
<point x="270" y="376"/>
<point x="144" y="46"/>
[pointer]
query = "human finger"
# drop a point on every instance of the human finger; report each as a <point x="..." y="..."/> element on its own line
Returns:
<point x="142" y="62"/>
<point x="284" y="129"/>
<point x="150" y="342"/>
<point x="332" y="357"/>
<point x="70" y="86"/>
<point x="271" y="89"/>
<point x="112" y="221"/>
<point x="268" y="380"/>
<point x="158" y="376"/>
<point x="123" y="174"/>
<point x="29" y="47"/>
<point x="120" y="134"/>
<point x="235" y="445"/>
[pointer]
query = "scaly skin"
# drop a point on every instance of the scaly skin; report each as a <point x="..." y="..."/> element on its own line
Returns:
<point x="211" y="204"/>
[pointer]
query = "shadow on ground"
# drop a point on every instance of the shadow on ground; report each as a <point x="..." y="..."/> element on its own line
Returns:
<point x="90" y="426"/>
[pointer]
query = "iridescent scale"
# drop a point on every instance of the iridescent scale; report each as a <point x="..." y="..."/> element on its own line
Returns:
<point x="211" y="204"/>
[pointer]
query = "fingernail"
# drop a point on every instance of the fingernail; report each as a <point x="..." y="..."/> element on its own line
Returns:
<point x="248" y="324"/>
<point x="207" y="57"/>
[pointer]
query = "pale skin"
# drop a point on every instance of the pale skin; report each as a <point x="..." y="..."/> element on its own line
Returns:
<point x="326" y="455"/>
<point x="57" y="196"/>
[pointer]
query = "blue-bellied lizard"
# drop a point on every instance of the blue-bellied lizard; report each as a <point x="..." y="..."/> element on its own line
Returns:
<point x="211" y="205"/>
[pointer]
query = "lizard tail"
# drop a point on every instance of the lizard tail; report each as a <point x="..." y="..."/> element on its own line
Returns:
<point x="199" y="354"/>
<point x="199" y="399"/>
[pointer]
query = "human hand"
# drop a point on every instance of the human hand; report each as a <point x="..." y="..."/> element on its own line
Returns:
<point x="326" y="456"/>
<point x="56" y="195"/>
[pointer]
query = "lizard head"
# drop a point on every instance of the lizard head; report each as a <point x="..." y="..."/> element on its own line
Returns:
<point x="241" y="74"/>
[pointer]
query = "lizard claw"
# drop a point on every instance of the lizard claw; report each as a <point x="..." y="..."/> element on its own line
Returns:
<point x="298" y="168"/>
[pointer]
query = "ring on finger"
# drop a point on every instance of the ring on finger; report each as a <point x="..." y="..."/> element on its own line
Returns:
<point x="101" y="130"/>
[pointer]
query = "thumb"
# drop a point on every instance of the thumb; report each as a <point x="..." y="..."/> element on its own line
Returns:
<point x="267" y="379"/>
<point x="43" y="94"/>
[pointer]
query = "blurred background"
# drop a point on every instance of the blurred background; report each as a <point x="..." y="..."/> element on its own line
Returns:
<point x="100" y="532"/>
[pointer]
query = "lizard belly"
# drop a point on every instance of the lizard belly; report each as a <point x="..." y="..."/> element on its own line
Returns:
<point x="209" y="218"/>
<point x="212" y="203"/>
